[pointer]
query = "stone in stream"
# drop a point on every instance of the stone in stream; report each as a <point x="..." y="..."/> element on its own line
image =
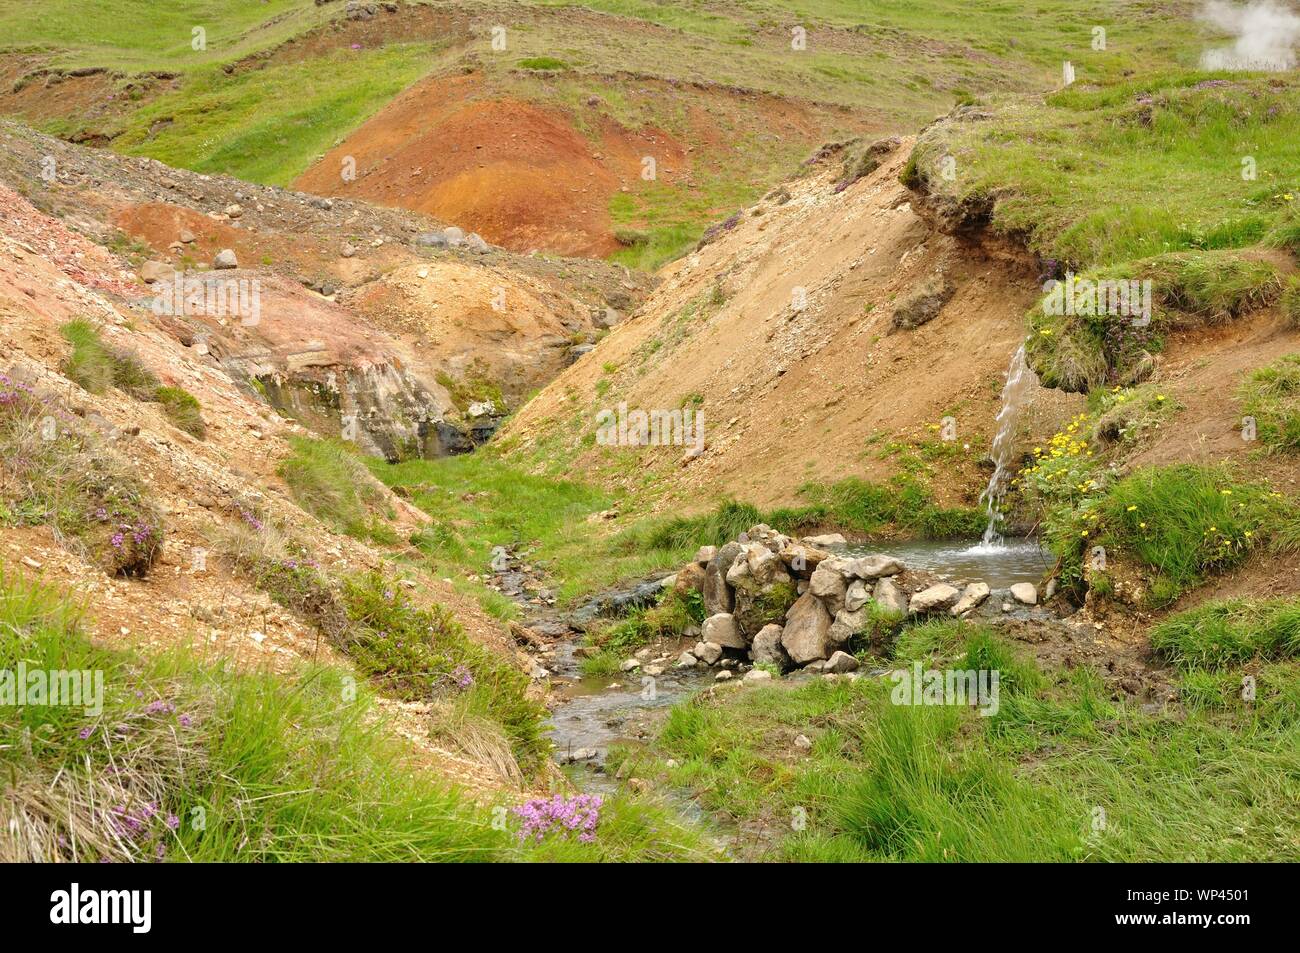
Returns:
<point x="890" y="597"/>
<point x="723" y="676"/>
<point x="629" y="665"/>
<point x="1025" y="592"/>
<point x="807" y="628"/>
<point x="707" y="652"/>
<point x="687" y="660"/>
<point x="934" y="599"/>
<point x="840" y="663"/>
<point x="972" y="598"/>
<point x="721" y="630"/>
<point x="767" y="649"/>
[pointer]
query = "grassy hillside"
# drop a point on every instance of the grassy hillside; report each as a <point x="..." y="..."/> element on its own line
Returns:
<point x="875" y="65"/>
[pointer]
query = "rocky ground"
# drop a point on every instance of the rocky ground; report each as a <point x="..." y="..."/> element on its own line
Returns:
<point x="386" y="310"/>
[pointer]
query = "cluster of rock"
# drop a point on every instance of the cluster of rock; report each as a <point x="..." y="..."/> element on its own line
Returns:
<point x="453" y="237"/>
<point x="796" y="604"/>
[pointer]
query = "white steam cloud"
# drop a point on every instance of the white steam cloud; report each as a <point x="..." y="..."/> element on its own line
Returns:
<point x="1267" y="36"/>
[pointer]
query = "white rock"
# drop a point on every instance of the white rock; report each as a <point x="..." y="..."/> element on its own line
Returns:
<point x="973" y="597"/>
<point x="941" y="596"/>
<point x="1025" y="592"/>
<point x="757" y="675"/>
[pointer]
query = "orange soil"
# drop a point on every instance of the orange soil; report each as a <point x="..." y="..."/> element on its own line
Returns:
<point x="520" y="175"/>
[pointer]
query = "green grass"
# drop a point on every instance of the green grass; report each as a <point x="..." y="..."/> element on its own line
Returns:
<point x="56" y="474"/>
<point x="329" y="479"/>
<point x="90" y="363"/>
<point x="1271" y="395"/>
<point x="269" y="125"/>
<point x="1060" y="773"/>
<point x="1220" y="635"/>
<point x="1117" y="172"/>
<point x="250" y="768"/>
<point x="147" y="34"/>
<point x="182" y="409"/>
<point x="479" y="502"/>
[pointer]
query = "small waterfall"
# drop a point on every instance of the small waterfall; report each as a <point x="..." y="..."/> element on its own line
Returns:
<point x="1020" y="381"/>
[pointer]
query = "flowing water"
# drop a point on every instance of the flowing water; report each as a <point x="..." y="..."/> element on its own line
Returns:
<point x="1000" y="564"/>
<point x="1020" y="382"/>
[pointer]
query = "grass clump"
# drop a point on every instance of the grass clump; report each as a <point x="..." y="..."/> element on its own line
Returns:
<point x="329" y="480"/>
<point x="183" y="410"/>
<point x="1271" y="395"/>
<point x="55" y="474"/>
<point x="94" y="366"/>
<point x="1221" y="635"/>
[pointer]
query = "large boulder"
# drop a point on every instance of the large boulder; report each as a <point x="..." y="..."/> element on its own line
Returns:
<point x="1026" y="593"/>
<point x="934" y="599"/>
<point x="890" y="597"/>
<point x="721" y="630"/>
<point x="827" y="582"/>
<point x="840" y="663"/>
<point x="846" y="625"/>
<point x="707" y="652"/>
<point x="718" y="596"/>
<point x="802" y="559"/>
<point x="755" y="608"/>
<point x="807" y="628"/>
<point x="874" y="567"/>
<point x="767" y="648"/>
<point x="825" y="540"/>
<point x="225" y="259"/>
<point x="690" y="578"/>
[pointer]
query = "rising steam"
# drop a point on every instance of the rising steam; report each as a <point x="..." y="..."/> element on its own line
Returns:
<point x="1267" y="34"/>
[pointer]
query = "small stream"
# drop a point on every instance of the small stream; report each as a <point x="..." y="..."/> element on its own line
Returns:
<point x="596" y="712"/>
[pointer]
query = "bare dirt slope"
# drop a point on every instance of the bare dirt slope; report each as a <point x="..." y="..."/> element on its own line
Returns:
<point x="793" y="392"/>
<point x="50" y="275"/>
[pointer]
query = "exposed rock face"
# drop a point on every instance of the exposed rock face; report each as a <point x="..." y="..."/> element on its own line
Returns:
<point x="806" y="636"/>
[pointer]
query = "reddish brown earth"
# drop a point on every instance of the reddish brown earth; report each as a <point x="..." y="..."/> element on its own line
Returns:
<point x="519" y="174"/>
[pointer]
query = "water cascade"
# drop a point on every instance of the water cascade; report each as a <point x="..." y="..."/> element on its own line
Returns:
<point x="1015" y="393"/>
